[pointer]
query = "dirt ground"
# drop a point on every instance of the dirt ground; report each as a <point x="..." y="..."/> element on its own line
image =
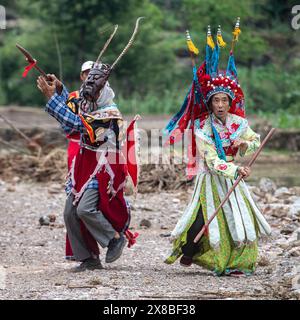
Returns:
<point x="32" y="264"/>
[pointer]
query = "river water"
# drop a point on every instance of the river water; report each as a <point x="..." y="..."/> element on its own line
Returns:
<point x="283" y="174"/>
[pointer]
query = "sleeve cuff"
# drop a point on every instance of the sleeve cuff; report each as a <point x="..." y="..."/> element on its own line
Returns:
<point x="243" y="153"/>
<point x="64" y="94"/>
<point x="63" y="97"/>
<point x="236" y="173"/>
<point x="56" y="96"/>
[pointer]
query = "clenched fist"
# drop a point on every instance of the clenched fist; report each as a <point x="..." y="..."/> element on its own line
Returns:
<point x="244" y="172"/>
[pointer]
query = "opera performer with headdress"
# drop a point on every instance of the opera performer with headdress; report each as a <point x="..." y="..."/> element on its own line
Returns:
<point x="214" y="111"/>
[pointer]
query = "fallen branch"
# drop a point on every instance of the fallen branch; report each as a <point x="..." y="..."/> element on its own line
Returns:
<point x="79" y="286"/>
<point x="31" y="142"/>
<point x="205" y="294"/>
<point x="13" y="147"/>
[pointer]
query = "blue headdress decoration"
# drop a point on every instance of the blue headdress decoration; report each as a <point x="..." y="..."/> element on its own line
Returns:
<point x="207" y="81"/>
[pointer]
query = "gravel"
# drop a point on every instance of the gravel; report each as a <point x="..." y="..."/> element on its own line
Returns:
<point x="32" y="264"/>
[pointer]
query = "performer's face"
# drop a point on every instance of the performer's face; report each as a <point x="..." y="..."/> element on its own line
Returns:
<point x="95" y="82"/>
<point x="220" y="105"/>
<point x="84" y="74"/>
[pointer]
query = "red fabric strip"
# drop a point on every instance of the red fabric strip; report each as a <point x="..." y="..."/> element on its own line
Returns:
<point x="27" y="68"/>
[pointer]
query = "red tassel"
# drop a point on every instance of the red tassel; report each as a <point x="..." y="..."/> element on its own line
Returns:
<point x="29" y="67"/>
<point x="131" y="237"/>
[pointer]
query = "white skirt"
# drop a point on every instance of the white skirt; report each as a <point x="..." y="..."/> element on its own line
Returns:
<point x="236" y="211"/>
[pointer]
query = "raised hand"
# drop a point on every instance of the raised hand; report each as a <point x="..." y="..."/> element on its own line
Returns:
<point x="242" y="145"/>
<point x="49" y="86"/>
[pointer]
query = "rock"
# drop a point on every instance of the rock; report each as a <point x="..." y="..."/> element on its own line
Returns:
<point x="258" y="290"/>
<point x="145" y="223"/>
<point x="52" y="217"/>
<point x="295" y="206"/>
<point x="40" y="243"/>
<point x="47" y="220"/>
<point x="176" y="200"/>
<point x="263" y="262"/>
<point x="55" y="188"/>
<point x="270" y="270"/>
<point x="164" y="227"/>
<point x="296" y="294"/>
<point x="276" y="210"/>
<point x="282" y="193"/>
<point x="287" y="230"/>
<point x="254" y="189"/>
<point x="165" y="235"/>
<point x="298" y="235"/>
<point x="269" y="198"/>
<point x="295" y="190"/>
<point x="283" y="246"/>
<point x="293" y="244"/>
<point x="144" y="208"/>
<point x="11" y="189"/>
<point x="287" y="201"/>
<point x="295" y="252"/>
<point x="95" y="281"/>
<point x="16" y="180"/>
<point x="267" y="185"/>
<point x="255" y="197"/>
<point x="44" y="221"/>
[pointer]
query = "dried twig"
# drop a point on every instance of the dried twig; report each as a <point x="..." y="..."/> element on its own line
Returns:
<point x="12" y="147"/>
<point x="23" y="135"/>
<point x="208" y="294"/>
<point x="81" y="286"/>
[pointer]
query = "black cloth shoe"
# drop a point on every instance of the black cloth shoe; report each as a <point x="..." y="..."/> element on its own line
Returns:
<point x="115" y="249"/>
<point x="186" y="261"/>
<point x="88" y="264"/>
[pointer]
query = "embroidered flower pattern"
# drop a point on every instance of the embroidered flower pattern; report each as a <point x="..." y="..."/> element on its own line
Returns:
<point x="222" y="167"/>
<point x="234" y="126"/>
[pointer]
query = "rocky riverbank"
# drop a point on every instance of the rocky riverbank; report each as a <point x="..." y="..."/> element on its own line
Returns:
<point x="32" y="236"/>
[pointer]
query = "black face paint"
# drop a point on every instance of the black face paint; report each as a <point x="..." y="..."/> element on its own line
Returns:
<point x="95" y="82"/>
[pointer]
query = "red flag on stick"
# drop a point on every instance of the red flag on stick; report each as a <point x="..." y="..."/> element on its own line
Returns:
<point x="129" y="150"/>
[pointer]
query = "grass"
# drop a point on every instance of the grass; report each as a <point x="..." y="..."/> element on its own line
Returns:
<point x="281" y="119"/>
<point x="167" y="103"/>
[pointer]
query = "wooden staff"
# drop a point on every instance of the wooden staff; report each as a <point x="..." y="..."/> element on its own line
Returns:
<point x="205" y="227"/>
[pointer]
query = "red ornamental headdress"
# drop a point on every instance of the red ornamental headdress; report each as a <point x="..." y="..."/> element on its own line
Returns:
<point x="207" y="81"/>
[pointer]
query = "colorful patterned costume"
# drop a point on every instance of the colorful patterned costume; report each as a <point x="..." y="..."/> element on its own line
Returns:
<point x="101" y="164"/>
<point x="230" y="243"/>
<point x="73" y="149"/>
